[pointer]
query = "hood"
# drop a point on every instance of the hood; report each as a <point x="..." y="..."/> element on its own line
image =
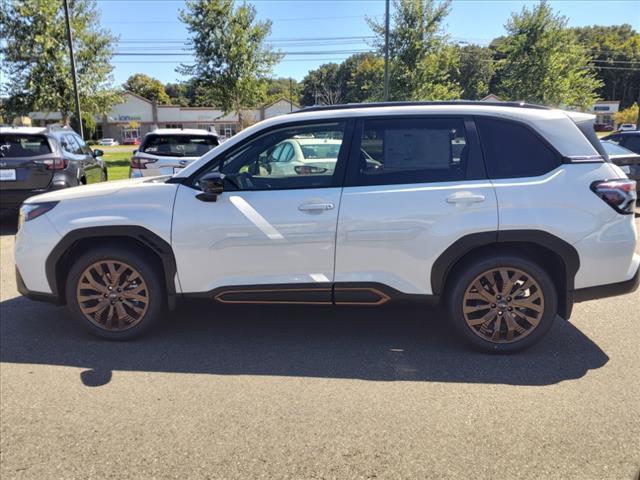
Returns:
<point x="92" y="191"/>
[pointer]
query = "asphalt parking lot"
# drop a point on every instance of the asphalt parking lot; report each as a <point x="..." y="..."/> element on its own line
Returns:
<point x="225" y="392"/>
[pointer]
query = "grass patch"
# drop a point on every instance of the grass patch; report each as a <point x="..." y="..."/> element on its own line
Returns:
<point x="117" y="164"/>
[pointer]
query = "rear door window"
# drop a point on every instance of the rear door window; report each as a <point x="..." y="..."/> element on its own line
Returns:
<point x="20" y="145"/>
<point x="410" y="150"/>
<point x="512" y="150"/>
<point x="70" y="145"/>
<point x="179" y="145"/>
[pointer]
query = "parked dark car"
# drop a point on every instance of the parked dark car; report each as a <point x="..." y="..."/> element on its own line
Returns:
<point x="629" y="140"/>
<point x="38" y="160"/>
<point x="627" y="160"/>
<point x="602" y="127"/>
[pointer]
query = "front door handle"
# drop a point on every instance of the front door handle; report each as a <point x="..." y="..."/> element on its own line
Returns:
<point x="465" y="197"/>
<point x="316" y="207"/>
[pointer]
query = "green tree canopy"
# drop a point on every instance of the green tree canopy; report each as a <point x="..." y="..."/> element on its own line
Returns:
<point x="323" y="86"/>
<point x="476" y="69"/>
<point x="543" y="61"/>
<point x="283" y="88"/>
<point x="363" y="78"/>
<point x="616" y="53"/>
<point x="422" y="64"/>
<point x="232" y="58"/>
<point x="147" y="87"/>
<point x="36" y="68"/>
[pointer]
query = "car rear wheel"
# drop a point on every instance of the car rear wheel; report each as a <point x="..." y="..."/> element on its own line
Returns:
<point x="503" y="303"/>
<point x="115" y="294"/>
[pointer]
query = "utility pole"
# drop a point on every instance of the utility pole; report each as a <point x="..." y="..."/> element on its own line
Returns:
<point x="290" y="96"/>
<point x="73" y="66"/>
<point x="386" y="50"/>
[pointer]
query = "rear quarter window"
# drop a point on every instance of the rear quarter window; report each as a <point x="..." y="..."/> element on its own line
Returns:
<point x="23" y="145"/>
<point x="512" y="150"/>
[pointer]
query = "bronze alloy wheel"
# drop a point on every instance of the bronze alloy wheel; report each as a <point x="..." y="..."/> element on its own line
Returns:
<point x="112" y="295"/>
<point x="503" y="305"/>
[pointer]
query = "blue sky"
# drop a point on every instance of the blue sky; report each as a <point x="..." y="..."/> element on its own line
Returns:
<point x="303" y="26"/>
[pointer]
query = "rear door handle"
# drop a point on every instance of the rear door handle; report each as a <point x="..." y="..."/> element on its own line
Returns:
<point x="316" y="207"/>
<point x="465" y="197"/>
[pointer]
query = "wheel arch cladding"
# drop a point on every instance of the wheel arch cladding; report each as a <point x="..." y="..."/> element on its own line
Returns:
<point x="77" y="240"/>
<point x="557" y="257"/>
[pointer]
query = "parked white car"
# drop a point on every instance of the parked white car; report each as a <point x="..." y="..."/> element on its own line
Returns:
<point x="108" y="142"/>
<point x="507" y="214"/>
<point x="168" y="150"/>
<point x="626" y="127"/>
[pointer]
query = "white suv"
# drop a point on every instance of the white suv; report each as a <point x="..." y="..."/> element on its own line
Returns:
<point x="505" y="213"/>
<point x="167" y="150"/>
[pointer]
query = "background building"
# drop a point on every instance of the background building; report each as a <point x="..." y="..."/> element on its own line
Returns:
<point x="136" y="116"/>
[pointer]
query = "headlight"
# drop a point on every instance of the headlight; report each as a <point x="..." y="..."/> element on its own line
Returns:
<point x="29" y="211"/>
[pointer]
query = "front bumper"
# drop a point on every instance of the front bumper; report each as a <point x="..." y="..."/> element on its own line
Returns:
<point x="610" y="290"/>
<point x="36" y="296"/>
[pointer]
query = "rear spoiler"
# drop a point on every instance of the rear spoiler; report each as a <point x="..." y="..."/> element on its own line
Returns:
<point x="584" y="122"/>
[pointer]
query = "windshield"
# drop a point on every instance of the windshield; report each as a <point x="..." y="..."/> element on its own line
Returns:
<point x="21" y="145"/>
<point x="179" y="145"/>
<point x="615" y="149"/>
<point x="320" y="150"/>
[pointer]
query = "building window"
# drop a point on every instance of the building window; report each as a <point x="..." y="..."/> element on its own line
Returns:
<point x="226" y="129"/>
<point x="130" y="134"/>
<point x="173" y="125"/>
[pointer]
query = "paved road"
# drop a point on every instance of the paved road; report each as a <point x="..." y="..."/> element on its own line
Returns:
<point x="226" y="393"/>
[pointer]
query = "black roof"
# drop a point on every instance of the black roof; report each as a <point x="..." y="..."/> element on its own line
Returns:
<point x="348" y="106"/>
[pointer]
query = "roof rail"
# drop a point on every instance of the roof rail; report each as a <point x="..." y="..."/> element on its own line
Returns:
<point x="348" y="106"/>
<point x="55" y="127"/>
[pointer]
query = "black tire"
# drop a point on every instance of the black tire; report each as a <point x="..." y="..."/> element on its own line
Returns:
<point x="462" y="281"/>
<point x="146" y="268"/>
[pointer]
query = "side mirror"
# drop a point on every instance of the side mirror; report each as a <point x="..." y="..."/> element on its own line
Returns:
<point x="98" y="153"/>
<point x="135" y="151"/>
<point x="212" y="186"/>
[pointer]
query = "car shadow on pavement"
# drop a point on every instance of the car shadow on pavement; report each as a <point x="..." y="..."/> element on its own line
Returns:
<point x="394" y="343"/>
<point x="8" y="224"/>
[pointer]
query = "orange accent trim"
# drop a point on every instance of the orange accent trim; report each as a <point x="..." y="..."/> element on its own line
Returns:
<point x="275" y="302"/>
<point x="384" y="298"/>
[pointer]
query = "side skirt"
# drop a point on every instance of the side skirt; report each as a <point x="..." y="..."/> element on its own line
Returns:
<point x="354" y="294"/>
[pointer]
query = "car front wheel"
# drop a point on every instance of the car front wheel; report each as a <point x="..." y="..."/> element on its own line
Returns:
<point x="503" y="303"/>
<point x="115" y="294"/>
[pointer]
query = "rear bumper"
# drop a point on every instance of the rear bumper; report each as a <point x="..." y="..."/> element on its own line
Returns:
<point x="12" y="199"/>
<point x="610" y="290"/>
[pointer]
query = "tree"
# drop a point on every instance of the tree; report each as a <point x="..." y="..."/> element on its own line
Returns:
<point x="147" y="87"/>
<point x="421" y="61"/>
<point x="232" y="59"/>
<point x="475" y="72"/>
<point x="615" y="50"/>
<point x="543" y="62"/>
<point x="36" y="68"/>
<point x="628" y="115"/>
<point x="362" y="75"/>
<point x="323" y="86"/>
<point x="283" y="88"/>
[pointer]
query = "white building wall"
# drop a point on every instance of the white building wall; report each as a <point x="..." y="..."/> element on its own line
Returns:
<point x="133" y="109"/>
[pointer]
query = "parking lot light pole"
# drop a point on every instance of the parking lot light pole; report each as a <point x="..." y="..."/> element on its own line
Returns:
<point x="73" y="67"/>
<point x="386" y="50"/>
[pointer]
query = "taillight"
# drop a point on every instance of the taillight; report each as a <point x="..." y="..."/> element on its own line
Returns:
<point x="619" y="194"/>
<point x="54" y="163"/>
<point x="140" y="162"/>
